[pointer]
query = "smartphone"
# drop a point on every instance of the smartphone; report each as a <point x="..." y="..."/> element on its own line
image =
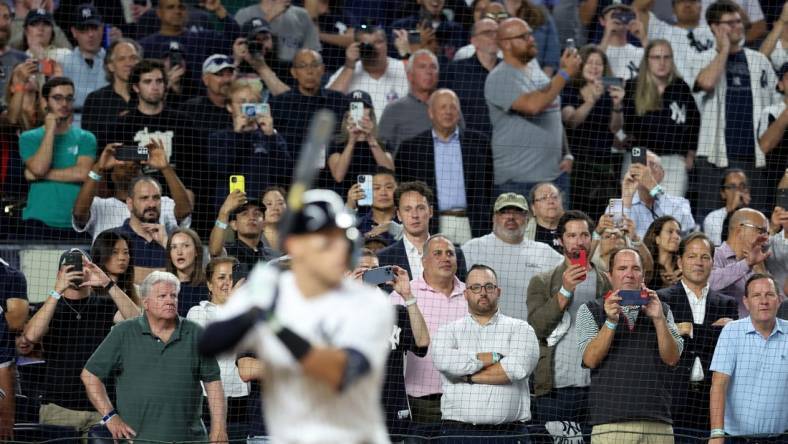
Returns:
<point x="414" y="37"/>
<point x="105" y="36"/>
<point x="624" y="16"/>
<point x="240" y="271"/>
<point x="176" y="58"/>
<point x="252" y="110"/>
<point x="46" y="67"/>
<point x="74" y="259"/>
<point x="782" y="198"/>
<point x="579" y="258"/>
<point x="365" y="180"/>
<point x="356" y="112"/>
<point x="639" y="155"/>
<point x="237" y="183"/>
<point x="607" y="82"/>
<point x="570" y="44"/>
<point x="131" y="153"/>
<point x="615" y="207"/>
<point x="633" y="297"/>
<point x="380" y="275"/>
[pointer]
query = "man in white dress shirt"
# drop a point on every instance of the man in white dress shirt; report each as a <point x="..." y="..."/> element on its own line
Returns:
<point x="485" y="359"/>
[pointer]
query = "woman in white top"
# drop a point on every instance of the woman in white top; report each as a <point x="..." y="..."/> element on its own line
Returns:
<point x="219" y="276"/>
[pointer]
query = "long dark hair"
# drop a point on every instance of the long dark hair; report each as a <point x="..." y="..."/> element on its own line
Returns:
<point x="198" y="273"/>
<point x="101" y="252"/>
<point x="653" y="232"/>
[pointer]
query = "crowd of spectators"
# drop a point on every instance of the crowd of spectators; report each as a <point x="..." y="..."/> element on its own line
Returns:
<point x="523" y="165"/>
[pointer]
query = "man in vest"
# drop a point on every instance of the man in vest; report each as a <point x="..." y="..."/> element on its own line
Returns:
<point x="628" y="381"/>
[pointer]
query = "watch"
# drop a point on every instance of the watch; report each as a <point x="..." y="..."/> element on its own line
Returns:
<point x="468" y="379"/>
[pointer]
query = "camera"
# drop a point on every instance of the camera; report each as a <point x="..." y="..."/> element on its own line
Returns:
<point x="366" y="51"/>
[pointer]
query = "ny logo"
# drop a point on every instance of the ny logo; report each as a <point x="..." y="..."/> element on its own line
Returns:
<point x="86" y="13"/>
<point x="678" y="113"/>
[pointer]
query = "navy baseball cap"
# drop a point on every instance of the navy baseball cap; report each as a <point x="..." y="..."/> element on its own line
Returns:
<point x="87" y="15"/>
<point x="39" y="15"/>
<point x="255" y="26"/>
<point x="361" y="96"/>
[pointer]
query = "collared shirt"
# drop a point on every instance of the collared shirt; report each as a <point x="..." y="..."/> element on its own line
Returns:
<point x="86" y="78"/>
<point x="158" y="382"/>
<point x="414" y="259"/>
<point x="146" y="254"/>
<point x="729" y="275"/>
<point x="664" y="205"/>
<point x="698" y="307"/>
<point x="755" y="400"/>
<point x="421" y="376"/>
<point x="587" y="328"/>
<point x="449" y="173"/>
<point x="455" y="348"/>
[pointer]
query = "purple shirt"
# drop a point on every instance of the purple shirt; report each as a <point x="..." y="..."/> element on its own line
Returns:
<point x="421" y="376"/>
<point x="729" y="276"/>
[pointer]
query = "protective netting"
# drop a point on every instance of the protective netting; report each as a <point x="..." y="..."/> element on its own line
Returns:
<point x="144" y="135"/>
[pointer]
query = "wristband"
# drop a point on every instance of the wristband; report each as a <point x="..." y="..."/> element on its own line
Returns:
<point x="468" y="379"/>
<point x="611" y="325"/>
<point x="564" y="74"/>
<point x="220" y="224"/>
<point x="108" y="416"/>
<point x="410" y="302"/>
<point x="109" y="286"/>
<point x="565" y="293"/>
<point x="94" y="175"/>
<point x="18" y="88"/>
<point x="717" y="433"/>
<point x="656" y="191"/>
<point x="496" y="357"/>
<point x="55" y="295"/>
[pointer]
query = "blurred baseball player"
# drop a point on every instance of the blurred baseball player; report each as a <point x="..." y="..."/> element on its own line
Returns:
<point x="323" y="339"/>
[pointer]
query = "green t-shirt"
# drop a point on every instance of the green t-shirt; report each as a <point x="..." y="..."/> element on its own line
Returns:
<point x="157" y="384"/>
<point x="49" y="201"/>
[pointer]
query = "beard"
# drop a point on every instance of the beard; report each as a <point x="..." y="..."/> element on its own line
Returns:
<point x="148" y="220"/>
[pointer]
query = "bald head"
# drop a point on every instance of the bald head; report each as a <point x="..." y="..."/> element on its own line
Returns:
<point x="511" y="27"/>
<point x="443" y="107"/>
<point x="306" y="55"/>
<point x="484" y="36"/>
<point x="516" y="42"/>
<point x="308" y="69"/>
<point x="747" y="216"/>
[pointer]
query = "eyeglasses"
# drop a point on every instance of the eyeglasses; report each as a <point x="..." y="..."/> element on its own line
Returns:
<point x="549" y="197"/>
<point x="736" y="187"/>
<point x="59" y="98"/>
<point x="760" y="230"/>
<point x="524" y="36"/>
<point x="313" y="65"/>
<point x="477" y="288"/>
<point x="730" y="22"/>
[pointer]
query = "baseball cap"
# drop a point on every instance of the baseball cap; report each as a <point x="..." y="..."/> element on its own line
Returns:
<point x="616" y="6"/>
<point x="216" y="63"/>
<point x="510" y="200"/>
<point x="39" y="15"/>
<point x="249" y="203"/>
<point x="361" y="96"/>
<point x="87" y="15"/>
<point x="323" y="209"/>
<point x="254" y="27"/>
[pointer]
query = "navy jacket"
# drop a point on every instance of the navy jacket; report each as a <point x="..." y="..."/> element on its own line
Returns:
<point x="395" y="254"/>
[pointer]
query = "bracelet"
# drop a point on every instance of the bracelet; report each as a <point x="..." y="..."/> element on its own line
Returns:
<point x="220" y="224"/>
<point x="611" y="325"/>
<point x="656" y="191"/>
<point x="717" y="433"/>
<point x="109" y="286"/>
<point x="55" y="295"/>
<point x="565" y="293"/>
<point x="496" y="357"/>
<point x="108" y="416"/>
<point x="468" y="379"/>
<point x="94" y="175"/>
<point x="410" y="302"/>
<point x="564" y="74"/>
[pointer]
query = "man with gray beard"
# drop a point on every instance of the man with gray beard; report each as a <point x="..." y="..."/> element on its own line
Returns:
<point x="513" y="257"/>
<point x="9" y="57"/>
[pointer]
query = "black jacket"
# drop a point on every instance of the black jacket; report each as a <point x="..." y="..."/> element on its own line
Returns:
<point x="704" y="337"/>
<point x="395" y="254"/>
<point x="416" y="161"/>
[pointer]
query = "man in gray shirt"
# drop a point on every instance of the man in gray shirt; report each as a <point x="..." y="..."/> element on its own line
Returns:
<point x="290" y="24"/>
<point x="525" y="111"/>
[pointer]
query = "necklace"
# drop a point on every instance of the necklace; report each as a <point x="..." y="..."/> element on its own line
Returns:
<point x="79" y="314"/>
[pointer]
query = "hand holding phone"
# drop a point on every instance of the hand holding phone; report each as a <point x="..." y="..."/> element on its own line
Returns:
<point x="615" y="208"/>
<point x="131" y="153"/>
<point x="380" y="275"/>
<point x="633" y="297"/>
<point x="365" y="182"/>
<point x="237" y="184"/>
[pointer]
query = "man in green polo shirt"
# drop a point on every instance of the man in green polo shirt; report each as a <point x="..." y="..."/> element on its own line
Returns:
<point x="159" y="371"/>
<point x="57" y="157"/>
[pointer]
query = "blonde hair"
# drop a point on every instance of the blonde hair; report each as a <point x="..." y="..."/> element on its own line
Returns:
<point x="647" y="96"/>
